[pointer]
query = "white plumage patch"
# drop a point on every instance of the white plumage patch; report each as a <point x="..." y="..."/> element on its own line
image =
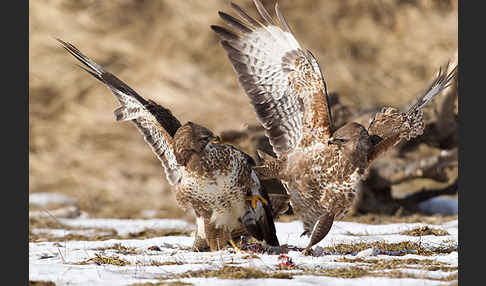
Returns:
<point x="201" y="232"/>
<point x="228" y="218"/>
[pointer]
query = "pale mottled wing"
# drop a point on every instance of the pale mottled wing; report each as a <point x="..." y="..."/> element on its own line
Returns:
<point x="390" y="126"/>
<point x="156" y="123"/>
<point x="284" y="82"/>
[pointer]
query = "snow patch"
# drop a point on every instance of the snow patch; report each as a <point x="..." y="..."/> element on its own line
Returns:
<point x="59" y="261"/>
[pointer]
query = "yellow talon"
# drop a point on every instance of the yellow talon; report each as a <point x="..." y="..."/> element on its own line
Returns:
<point x="255" y="199"/>
<point x="237" y="249"/>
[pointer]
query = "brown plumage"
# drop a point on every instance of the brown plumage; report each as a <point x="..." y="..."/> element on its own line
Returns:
<point x="319" y="166"/>
<point x="216" y="180"/>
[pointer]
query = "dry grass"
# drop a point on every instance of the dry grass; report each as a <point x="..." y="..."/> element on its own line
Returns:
<point x="41" y="283"/>
<point x="374" y="270"/>
<point x="175" y="283"/>
<point x="387" y="264"/>
<point x="382" y="219"/>
<point x="389" y="247"/>
<point x="425" y="230"/>
<point x="372" y="52"/>
<point x="106" y="234"/>
<point x="100" y="259"/>
<point x="119" y="249"/>
<point x="234" y="272"/>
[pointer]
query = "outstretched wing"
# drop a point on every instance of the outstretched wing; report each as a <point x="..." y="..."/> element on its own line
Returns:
<point x="390" y="126"/>
<point x="156" y="123"/>
<point x="284" y="82"/>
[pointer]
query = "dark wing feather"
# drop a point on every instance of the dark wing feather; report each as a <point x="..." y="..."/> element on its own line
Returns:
<point x="259" y="222"/>
<point x="390" y="126"/>
<point x="284" y="82"/>
<point x="280" y="203"/>
<point x="252" y="22"/>
<point x="263" y="12"/>
<point x="156" y="123"/>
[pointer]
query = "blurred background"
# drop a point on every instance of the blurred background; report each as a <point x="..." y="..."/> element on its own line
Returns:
<point x="373" y="53"/>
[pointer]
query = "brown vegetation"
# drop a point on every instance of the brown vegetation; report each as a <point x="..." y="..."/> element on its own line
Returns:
<point x="378" y="52"/>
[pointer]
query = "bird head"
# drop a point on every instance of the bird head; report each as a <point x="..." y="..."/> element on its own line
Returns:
<point x="190" y="139"/>
<point x="353" y="140"/>
<point x="201" y="136"/>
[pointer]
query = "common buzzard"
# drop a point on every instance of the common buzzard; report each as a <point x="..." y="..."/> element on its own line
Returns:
<point x="318" y="165"/>
<point x="216" y="180"/>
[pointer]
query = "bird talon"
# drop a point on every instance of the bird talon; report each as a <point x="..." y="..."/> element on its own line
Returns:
<point x="307" y="251"/>
<point x="236" y="248"/>
<point x="255" y="199"/>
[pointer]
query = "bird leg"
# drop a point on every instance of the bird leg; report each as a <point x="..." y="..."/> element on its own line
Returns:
<point x="321" y="229"/>
<point x="200" y="241"/>
<point x="200" y="244"/>
<point x="237" y="249"/>
<point x="216" y="243"/>
<point x="255" y="199"/>
<point x="216" y="237"/>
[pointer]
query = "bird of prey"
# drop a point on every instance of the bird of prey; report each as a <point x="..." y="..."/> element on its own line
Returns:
<point x="216" y="180"/>
<point x="318" y="165"/>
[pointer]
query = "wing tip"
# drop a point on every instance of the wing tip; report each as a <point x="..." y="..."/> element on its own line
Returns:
<point x="263" y="12"/>
<point x="94" y="69"/>
<point x="442" y="81"/>
<point x="234" y="23"/>
<point x="224" y="33"/>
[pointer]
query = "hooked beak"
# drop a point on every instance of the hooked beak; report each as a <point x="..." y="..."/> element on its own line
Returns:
<point x="216" y="140"/>
<point x="337" y="141"/>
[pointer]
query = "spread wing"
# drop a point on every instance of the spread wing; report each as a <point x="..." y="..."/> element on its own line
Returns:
<point x="156" y="123"/>
<point x="390" y="126"/>
<point x="284" y="82"/>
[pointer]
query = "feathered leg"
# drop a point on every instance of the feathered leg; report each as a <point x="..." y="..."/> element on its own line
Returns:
<point x="321" y="229"/>
<point x="200" y="242"/>
<point x="216" y="237"/>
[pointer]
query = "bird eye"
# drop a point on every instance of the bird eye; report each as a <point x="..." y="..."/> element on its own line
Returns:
<point x="337" y="141"/>
<point x="215" y="139"/>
